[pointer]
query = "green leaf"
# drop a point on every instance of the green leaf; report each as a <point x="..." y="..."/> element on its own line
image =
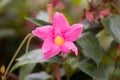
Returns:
<point x="70" y="65"/>
<point x="112" y="24"/>
<point x="90" y="68"/>
<point x="34" y="56"/>
<point x="38" y="22"/>
<point x="73" y="62"/>
<point x="109" y="57"/>
<point x="3" y="3"/>
<point x="38" y="76"/>
<point x="25" y="70"/>
<point x="91" y="47"/>
<point x="105" y="39"/>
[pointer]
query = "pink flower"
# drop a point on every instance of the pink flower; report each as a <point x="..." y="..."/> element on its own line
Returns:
<point x="59" y="36"/>
<point x="90" y="16"/>
<point x="104" y="12"/>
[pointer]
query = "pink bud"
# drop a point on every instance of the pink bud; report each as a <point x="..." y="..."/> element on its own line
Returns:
<point x="89" y="16"/>
<point x="104" y="12"/>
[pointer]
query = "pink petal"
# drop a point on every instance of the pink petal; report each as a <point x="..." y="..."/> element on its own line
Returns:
<point x="71" y="46"/>
<point x="64" y="48"/>
<point x="74" y="32"/>
<point x="46" y="45"/>
<point x="60" y="23"/>
<point x="45" y="32"/>
<point x="52" y="52"/>
<point x="50" y="49"/>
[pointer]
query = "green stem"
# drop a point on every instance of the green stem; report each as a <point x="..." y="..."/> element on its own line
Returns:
<point x="113" y="74"/>
<point x="28" y="43"/>
<point x="16" y="53"/>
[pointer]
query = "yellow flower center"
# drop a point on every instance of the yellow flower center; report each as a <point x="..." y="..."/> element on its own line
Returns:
<point x="59" y="40"/>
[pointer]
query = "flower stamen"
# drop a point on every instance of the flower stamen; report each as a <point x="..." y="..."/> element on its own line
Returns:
<point x="59" y="40"/>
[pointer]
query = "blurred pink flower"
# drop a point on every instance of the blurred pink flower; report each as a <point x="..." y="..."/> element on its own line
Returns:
<point x="104" y="12"/>
<point x="55" y="2"/>
<point x="90" y="16"/>
<point x="59" y="36"/>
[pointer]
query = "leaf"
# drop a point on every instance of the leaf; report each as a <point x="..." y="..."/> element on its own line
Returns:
<point x="38" y="76"/>
<point x="25" y="70"/>
<point x="90" y="68"/>
<point x="34" y="56"/>
<point x="38" y="22"/>
<point x="73" y="62"/>
<point x="112" y="25"/>
<point x="109" y="57"/>
<point x="105" y="39"/>
<point x="42" y="15"/>
<point x="91" y="47"/>
<point x="3" y="3"/>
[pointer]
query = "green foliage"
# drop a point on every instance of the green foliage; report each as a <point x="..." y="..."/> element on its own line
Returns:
<point x="38" y="76"/>
<point x="105" y="39"/>
<point x="38" y="22"/>
<point x="25" y="70"/>
<point x="91" y="47"/>
<point x="3" y="3"/>
<point x="90" y="68"/>
<point x="33" y="57"/>
<point x="112" y="24"/>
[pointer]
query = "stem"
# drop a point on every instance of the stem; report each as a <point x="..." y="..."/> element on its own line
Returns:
<point x="57" y="71"/>
<point x="14" y="77"/>
<point x="16" y="53"/>
<point x="50" y="11"/>
<point x="28" y="43"/>
<point x="112" y="78"/>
